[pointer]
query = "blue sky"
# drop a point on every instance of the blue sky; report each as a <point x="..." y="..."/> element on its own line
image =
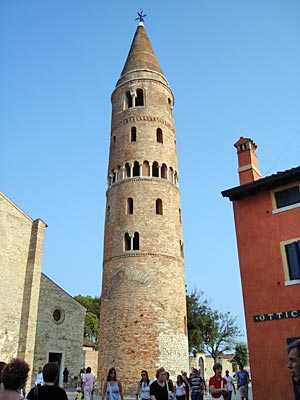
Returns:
<point x="234" y="67"/>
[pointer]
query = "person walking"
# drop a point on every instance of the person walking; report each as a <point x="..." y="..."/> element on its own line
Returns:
<point x="158" y="389"/>
<point x="143" y="388"/>
<point x="217" y="384"/>
<point x="88" y="384"/>
<point x="112" y="387"/>
<point x="180" y="388"/>
<point x="39" y="380"/>
<point x="230" y="385"/>
<point x="197" y="385"/>
<point x="186" y="380"/>
<point x="49" y="390"/>
<point x="65" y="377"/>
<point x="242" y="382"/>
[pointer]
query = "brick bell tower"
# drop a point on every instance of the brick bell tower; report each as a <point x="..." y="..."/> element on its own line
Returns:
<point x="143" y="306"/>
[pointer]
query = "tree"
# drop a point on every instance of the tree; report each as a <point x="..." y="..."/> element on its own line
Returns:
<point x="220" y="333"/>
<point x="91" y="327"/>
<point x="196" y="310"/>
<point x="92" y="317"/>
<point x="241" y="354"/>
<point x="209" y="330"/>
<point x="92" y="304"/>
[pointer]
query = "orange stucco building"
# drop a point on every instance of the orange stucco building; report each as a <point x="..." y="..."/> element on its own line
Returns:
<point x="267" y="221"/>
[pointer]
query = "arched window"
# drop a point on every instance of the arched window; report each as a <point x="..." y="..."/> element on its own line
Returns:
<point x="136" y="241"/>
<point x="128" y="99"/>
<point x="171" y="174"/>
<point x="159" y="135"/>
<point x="159" y="207"/>
<point x="127" y="243"/>
<point x="164" y="171"/>
<point x="114" y="140"/>
<point x="133" y="134"/>
<point x="127" y="170"/>
<point x="146" y="168"/>
<point x="155" y="169"/>
<point x="114" y="177"/>
<point x="107" y="213"/>
<point x="139" y="100"/>
<point x="130" y="205"/>
<point x="175" y="178"/>
<point x="181" y="248"/>
<point x="179" y="215"/>
<point x="136" y="169"/>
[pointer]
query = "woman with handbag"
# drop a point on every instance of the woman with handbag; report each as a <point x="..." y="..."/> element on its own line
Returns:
<point x="49" y="390"/>
<point x="159" y="388"/>
<point x="112" y="387"/>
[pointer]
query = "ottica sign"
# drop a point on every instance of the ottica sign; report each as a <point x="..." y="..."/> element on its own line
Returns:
<point x="276" y="316"/>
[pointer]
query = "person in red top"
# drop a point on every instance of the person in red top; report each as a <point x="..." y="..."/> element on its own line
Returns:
<point x="217" y="384"/>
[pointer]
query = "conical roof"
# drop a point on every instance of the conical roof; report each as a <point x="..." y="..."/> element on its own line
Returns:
<point x="141" y="54"/>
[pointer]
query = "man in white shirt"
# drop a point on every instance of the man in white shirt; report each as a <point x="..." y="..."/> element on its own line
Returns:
<point x="230" y="385"/>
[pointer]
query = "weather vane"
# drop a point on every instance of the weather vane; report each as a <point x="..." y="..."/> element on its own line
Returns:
<point x="141" y="16"/>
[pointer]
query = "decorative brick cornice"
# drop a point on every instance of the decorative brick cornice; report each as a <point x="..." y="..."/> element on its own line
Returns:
<point x="133" y="253"/>
<point x="142" y="178"/>
<point x="139" y="118"/>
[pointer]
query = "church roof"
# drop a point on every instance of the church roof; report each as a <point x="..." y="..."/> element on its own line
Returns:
<point x="141" y="54"/>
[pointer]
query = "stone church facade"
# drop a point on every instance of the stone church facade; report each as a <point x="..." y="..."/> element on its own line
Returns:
<point x="38" y="318"/>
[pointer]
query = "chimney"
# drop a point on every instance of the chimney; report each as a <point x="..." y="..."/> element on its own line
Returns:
<point x="248" y="164"/>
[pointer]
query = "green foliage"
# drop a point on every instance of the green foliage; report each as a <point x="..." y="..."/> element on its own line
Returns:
<point x="196" y="309"/>
<point x="209" y="330"/>
<point x="92" y="317"/>
<point x="241" y="354"/>
<point x="91" y="327"/>
<point x="92" y="304"/>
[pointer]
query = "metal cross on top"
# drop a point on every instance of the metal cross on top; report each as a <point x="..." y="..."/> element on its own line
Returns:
<point x="141" y="16"/>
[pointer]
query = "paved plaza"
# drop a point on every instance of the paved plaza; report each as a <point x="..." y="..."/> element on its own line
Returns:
<point x="71" y="395"/>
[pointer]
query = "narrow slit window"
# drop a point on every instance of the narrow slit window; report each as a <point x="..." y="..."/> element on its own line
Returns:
<point x="133" y="134"/>
<point x="130" y="205"/>
<point x="159" y="207"/>
<point x="159" y="135"/>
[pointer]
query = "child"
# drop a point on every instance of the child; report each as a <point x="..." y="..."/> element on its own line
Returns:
<point x="78" y="393"/>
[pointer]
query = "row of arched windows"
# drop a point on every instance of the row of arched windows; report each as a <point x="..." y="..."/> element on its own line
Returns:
<point x="131" y="170"/>
<point x="133" y="135"/>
